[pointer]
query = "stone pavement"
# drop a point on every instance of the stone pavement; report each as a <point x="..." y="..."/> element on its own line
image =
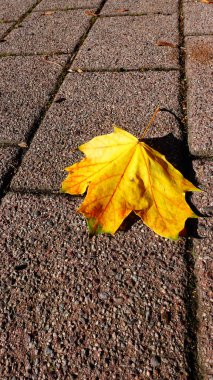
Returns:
<point x="133" y="305"/>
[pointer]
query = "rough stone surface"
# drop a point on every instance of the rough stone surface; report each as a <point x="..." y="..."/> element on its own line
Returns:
<point x="130" y="42"/>
<point x="25" y="85"/>
<point x="7" y="160"/>
<point x="79" y="307"/>
<point x="86" y="106"/>
<point x="12" y="10"/>
<point x="204" y="263"/>
<point x="40" y="33"/>
<point x="139" y="6"/>
<point x="199" y="65"/>
<point x="198" y="18"/>
<point x="66" y="4"/>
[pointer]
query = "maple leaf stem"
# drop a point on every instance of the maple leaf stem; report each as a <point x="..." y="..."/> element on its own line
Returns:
<point x="149" y="124"/>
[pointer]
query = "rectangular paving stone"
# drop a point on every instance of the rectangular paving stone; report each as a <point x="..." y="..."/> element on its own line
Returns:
<point x="86" y="106"/>
<point x="12" y="10"/>
<point x="40" y="33"/>
<point x="139" y="6"/>
<point x="199" y="64"/>
<point x="66" y="4"/>
<point x="198" y="18"/>
<point x="203" y="249"/>
<point x="81" y="307"/>
<point x="7" y="161"/>
<point x="130" y="43"/>
<point x="25" y="86"/>
<point x="4" y="27"/>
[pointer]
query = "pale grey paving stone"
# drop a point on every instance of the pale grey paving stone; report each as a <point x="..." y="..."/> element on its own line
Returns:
<point x="40" y="33"/>
<point x="66" y="4"/>
<point x="4" y="27"/>
<point x="86" y="106"/>
<point x="199" y="65"/>
<point x="203" y="249"/>
<point x="139" y="6"/>
<point x="130" y="42"/>
<point x="25" y="86"/>
<point x="12" y="10"/>
<point x="86" y="307"/>
<point x="7" y="161"/>
<point x="198" y="18"/>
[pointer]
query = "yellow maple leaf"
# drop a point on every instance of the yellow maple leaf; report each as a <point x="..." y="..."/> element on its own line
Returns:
<point x="123" y="175"/>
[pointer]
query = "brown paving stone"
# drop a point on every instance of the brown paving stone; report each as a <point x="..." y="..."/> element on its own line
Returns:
<point x="198" y="18"/>
<point x="139" y="6"/>
<point x="66" y="4"/>
<point x="203" y="248"/>
<point x="130" y="42"/>
<point x="7" y="160"/>
<point x="40" y="33"/>
<point x="79" y="307"/>
<point x="87" y="105"/>
<point x="199" y="65"/>
<point x="4" y="28"/>
<point x="12" y="10"/>
<point x="24" y="89"/>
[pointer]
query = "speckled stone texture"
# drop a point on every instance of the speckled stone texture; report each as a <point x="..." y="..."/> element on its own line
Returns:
<point x="66" y="4"/>
<point x="203" y="248"/>
<point x="199" y="65"/>
<point x="139" y="6"/>
<point x="12" y="10"/>
<point x="25" y="86"/>
<point x="86" y="106"/>
<point x="130" y="42"/>
<point x="7" y="161"/>
<point x="75" y="307"/>
<point x="198" y="18"/>
<point x="4" y="28"/>
<point x="40" y="33"/>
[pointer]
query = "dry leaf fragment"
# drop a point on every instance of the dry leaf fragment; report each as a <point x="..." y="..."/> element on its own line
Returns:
<point x="90" y="13"/>
<point x="121" y="10"/>
<point x="22" y="144"/>
<point x="165" y="43"/>
<point x="46" y="59"/>
<point x="48" y="13"/>
<point x="206" y="1"/>
<point x="122" y="175"/>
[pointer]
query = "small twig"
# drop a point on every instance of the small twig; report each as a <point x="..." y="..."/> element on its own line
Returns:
<point x="51" y="62"/>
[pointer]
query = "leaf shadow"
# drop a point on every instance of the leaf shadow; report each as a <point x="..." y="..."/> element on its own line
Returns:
<point x="175" y="152"/>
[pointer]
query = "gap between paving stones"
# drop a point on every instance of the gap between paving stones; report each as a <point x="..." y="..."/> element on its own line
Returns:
<point x="199" y="35"/>
<point x="9" y="176"/>
<point x="191" y="343"/>
<point x="122" y="70"/>
<point x="134" y="14"/>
